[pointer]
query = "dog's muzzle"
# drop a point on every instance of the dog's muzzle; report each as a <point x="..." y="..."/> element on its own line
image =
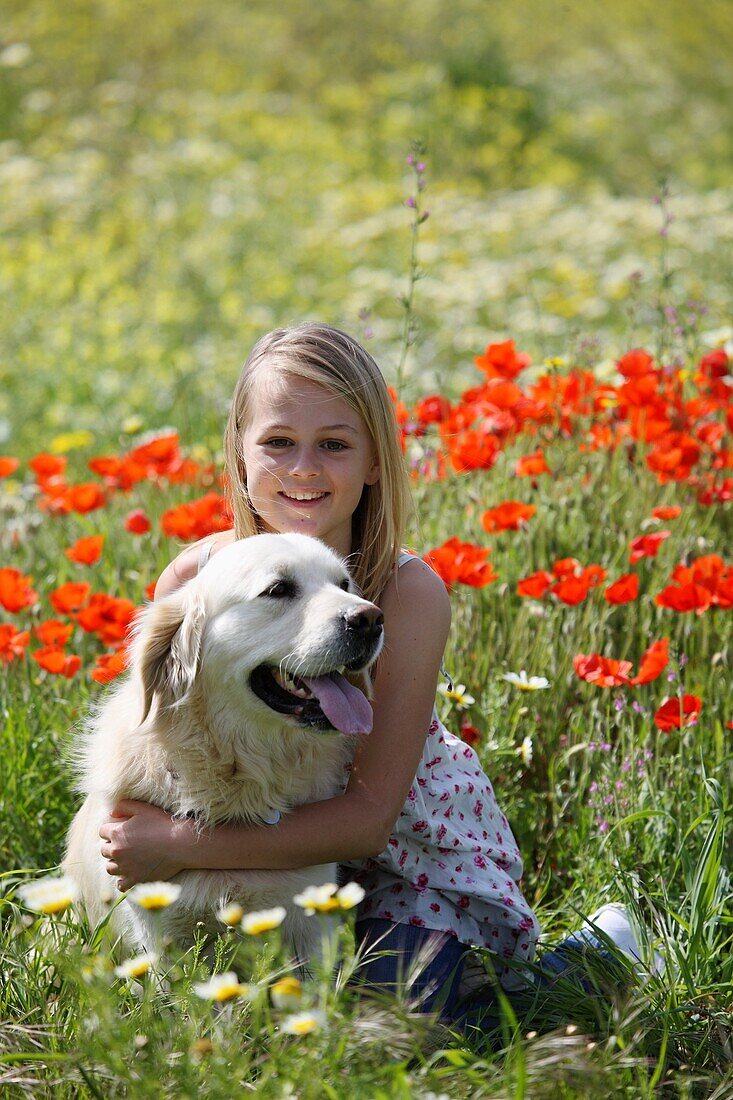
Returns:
<point x="324" y="698"/>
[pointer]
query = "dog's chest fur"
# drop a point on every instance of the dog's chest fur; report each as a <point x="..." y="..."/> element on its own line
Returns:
<point x="239" y="775"/>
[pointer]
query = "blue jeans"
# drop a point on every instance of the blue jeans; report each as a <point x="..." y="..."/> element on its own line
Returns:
<point x="428" y="966"/>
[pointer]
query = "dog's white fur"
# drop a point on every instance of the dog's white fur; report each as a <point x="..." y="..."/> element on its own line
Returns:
<point x="185" y="732"/>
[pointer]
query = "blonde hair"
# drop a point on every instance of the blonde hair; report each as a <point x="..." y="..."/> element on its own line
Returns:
<point x="331" y="358"/>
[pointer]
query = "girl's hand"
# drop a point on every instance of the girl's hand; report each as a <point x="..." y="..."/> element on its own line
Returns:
<point x="142" y="843"/>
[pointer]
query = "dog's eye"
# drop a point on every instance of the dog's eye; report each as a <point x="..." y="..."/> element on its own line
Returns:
<point x="280" y="590"/>
<point x="345" y="585"/>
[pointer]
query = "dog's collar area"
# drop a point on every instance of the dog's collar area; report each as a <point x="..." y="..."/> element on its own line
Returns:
<point x="271" y="817"/>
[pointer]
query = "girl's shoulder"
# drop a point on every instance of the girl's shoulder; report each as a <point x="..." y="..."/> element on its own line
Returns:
<point x="413" y="582"/>
<point x="190" y="561"/>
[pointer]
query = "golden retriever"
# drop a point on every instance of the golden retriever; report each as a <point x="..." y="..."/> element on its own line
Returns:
<point x="235" y="709"/>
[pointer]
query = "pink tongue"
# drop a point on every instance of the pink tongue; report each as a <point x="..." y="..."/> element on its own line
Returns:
<point x="346" y="708"/>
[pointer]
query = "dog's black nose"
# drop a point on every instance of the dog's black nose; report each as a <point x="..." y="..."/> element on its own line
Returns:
<point x="364" y="620"/>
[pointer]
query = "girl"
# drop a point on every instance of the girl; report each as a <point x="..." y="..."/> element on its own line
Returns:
<point x="312" y="446"/>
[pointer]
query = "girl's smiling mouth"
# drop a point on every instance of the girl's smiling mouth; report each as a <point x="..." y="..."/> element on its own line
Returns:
<point x="299" y="496"/>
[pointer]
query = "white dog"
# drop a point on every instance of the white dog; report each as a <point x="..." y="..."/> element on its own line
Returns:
<point x="235" y="709"/>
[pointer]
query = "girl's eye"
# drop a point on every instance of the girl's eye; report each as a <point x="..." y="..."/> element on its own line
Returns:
<point x="334" y="445"/>
<point x="279" y="442"/>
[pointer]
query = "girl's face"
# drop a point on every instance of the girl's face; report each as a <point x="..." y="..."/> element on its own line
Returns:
<point x="307" y="456"/>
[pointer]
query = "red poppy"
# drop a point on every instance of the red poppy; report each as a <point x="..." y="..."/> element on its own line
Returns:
<point x="472" y="450"/>
<point x="684" y="597"/>
<point x="673" y="716"/>
<point x="647" y="546"/>
<point x="57" y="661"/>
<point x="532" y="465"/>
<point x="137" y="522"/>
<point x="666" y="511"/>
<point x="508" y="516"/>
<point x="54" y="633"/>
<point x="502" y="360"/>
<point x="432" y="410"/>
<point x="107" y="616"/>
<point x="461" y="562"/>
<point x="602" y="671"/>
<point x="45" y="466"/>
<point x="12" y="643"/>
<point x="150" y="590"/>
<point x="15" y="590"/>
<point x="70" y="597"/>
<point x="469" y="733"/>
<point x="594" y="574"/>
<point x="83" y="498"/>
<point x="635" y="363"/>
<point x="198" y="518"/>
<point x="158" y="457"/>
<point x="653" y="662"/>
<point x="535" y="585"/>
<point x="566" y="567"/>
<point x="624" y="590"/>
<point x="86" y="551"/>
<point x="109" y="666"/>
<point x="8" y="465"/>
<point x="571" y="590"/>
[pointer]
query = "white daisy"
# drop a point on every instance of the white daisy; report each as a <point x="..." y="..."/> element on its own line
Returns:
<point x="49" y="895"/>
<point x="264" y="920"/>
<point x="526" y="683"/>
<point x="303" y="1023"/>
<point x="222" y="987"/>
<point x="457" y="694"/>
<point x="154" y="895"/>
<point x="136" y="966"/>
<point x="318" y="899"/>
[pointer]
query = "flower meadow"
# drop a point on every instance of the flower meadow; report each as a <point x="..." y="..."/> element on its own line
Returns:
<point x="580" y="525"/>
<point x="546" y="284"/>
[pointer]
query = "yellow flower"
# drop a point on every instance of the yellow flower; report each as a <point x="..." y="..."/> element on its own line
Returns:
<point x="71" y="441"/>
<point x="318" y="899"/>
<point x="132" y="424"/>
<point x="49" y="895"/>
<point x="137" y="966"/>
<point x="263" y="921"/>
<point x="303" y="1023"/>
<point x="154" y="895"/>
<point x="286" y="993"/>
<point x="222" y="987"/>
<point x="230" y="914"/>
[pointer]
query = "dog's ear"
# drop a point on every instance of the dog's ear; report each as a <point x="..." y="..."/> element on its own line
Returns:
<point x="169" y="643"/>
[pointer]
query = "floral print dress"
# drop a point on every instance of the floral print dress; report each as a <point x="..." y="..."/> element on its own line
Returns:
<point x="451" y="863"/>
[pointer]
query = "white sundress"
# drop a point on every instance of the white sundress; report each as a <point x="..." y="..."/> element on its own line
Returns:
<point x="451" y="863"/>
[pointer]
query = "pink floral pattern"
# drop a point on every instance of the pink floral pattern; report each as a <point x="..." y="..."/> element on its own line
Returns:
<point x="451" y="863"/>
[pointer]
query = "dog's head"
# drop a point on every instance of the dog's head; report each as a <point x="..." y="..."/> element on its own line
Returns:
<point x="270" y="625"/>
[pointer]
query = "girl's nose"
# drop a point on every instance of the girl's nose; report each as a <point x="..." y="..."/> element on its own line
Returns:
<point x="305" y="462"/>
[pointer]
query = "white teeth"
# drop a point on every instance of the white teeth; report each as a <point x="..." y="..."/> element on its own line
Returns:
<point x="304" y="496"/>
<point x="289" y="685"/>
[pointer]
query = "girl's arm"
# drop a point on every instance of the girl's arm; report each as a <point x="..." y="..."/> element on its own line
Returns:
<point x="352" y="826"/>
